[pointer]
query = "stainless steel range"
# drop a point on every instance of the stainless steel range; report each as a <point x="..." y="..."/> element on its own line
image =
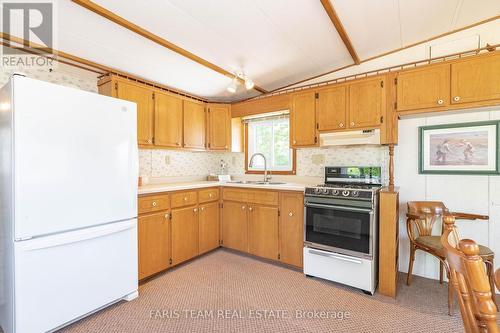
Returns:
<point x="340" y="238"/>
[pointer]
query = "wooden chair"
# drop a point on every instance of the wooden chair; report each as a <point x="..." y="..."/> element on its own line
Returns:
<point x="421" y="217"/>
<point x="470" y="280"/>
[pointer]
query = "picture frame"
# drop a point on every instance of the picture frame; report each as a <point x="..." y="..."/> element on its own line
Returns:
<point x="464" y="148"/>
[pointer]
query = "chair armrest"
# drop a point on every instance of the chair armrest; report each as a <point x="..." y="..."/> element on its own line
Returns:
<point x="467" y="216"/>
<point x="413" y="216"/>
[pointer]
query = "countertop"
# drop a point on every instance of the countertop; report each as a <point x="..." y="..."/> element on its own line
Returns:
<point x="176" y="186"/>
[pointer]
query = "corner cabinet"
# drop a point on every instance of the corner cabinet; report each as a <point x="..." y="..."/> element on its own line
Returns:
<point x="367" y="103"/>
<point x="194" y="125"/>
<point x="219" y="127"/>
<point x="263" y="231"/>
<point x="303" y="120"/>
<point x="235" y="226"/>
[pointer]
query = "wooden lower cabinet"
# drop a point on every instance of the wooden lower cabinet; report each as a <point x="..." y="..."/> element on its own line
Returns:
<point x="235" y="226"/>
<point x="263" y="231"/>
<point x="184" y="234"/>
<point x="291" y="228"/>
<point x="209" y="227"/>
<point x="153" y="243"/>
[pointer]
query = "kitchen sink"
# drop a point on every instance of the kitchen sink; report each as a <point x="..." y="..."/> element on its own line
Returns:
<point x="256" y="182"/>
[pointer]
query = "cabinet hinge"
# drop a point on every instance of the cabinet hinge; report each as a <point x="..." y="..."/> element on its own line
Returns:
<point x="170" y="215"/>
<point x="279" y="256"/>
<point x="209" y="142"/>
<point x="315" y="139"/>
<point x="279" y="212"/>
<point x="381" y="84"/>
<point x="316" y="95"/>
<point x="395" y="105"/>
<point x="317" y="125"/>
<point x="170" y="261"/>
<point x="116" y="85"/>
<point x="153" y="95"/>
<point x="208" y="110"/>
<point x="382" y="119"/>
<point x="221" y="242"/>
<point x="395" y="80"/>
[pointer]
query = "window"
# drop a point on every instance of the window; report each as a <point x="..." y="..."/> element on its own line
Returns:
<point x="270" y="136"/>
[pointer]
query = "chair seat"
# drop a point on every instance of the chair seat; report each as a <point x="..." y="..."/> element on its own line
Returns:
<point x="434" y="243"/>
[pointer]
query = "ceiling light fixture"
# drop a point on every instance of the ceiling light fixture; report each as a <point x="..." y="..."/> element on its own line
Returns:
<point x="233" y="86"/>
<point x="249" y="83"/>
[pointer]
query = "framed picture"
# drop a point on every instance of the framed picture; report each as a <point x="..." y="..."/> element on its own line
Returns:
<point x="468" y="148"/>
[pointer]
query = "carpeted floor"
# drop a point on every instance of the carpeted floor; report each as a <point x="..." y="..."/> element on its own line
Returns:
<point x="229" y="292"/>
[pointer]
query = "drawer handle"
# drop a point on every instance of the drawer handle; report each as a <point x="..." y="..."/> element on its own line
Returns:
<point x="167" y="216"/>
<point x="440" y="101"/>
<point x="243" y="207"/>
<point x="185" y="199"/>
<point x="210" y="195"/>
<point x="195" y="210"/>
<point x="456" y="98"/>
<point x="341" y="125"/>
<point x="150" y="141"/>
<point x="352" y="123"/>
<point x="290" y="214"/>
<point x="202" y="208"/>
<point x="154" y="204"/>
<point x="250" y="208"/>
<point x="294" y="142"/>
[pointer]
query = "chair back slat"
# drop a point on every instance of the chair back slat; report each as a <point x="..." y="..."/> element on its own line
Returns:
<point x="470" y="281"/>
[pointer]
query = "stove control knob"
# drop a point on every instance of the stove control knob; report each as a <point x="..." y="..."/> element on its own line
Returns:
<point x="355" y="193"/>
<point x="335" y="192"/>
<point x="317" y="190"/>
<point x="345" y="193"/>
<point x="325" y="191"/>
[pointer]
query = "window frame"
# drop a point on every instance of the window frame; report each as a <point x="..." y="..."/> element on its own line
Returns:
<point x="271" y="172"/>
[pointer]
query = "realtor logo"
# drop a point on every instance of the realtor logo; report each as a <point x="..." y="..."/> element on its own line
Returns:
<point x="28" y="34"/>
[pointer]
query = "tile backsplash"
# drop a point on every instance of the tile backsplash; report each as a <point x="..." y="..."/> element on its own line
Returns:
<point x="171" y="163"/>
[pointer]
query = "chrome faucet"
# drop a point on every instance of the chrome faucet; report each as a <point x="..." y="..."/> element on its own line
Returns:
<point x="265" y="165"/>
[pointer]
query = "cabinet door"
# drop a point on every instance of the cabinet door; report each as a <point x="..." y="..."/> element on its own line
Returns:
<point x="143" y="97"/>
<point x="209" y="227"/>
<point x="303" y="120"/>
<point x="263" y="231"/>
<point x="366" y="103"/>
<point x="194" y="125"/>
<point x="168" y="121"/>
<point x="291" y="228"/>
<point x="154" y="244"/>
<point x="475" y="80"/>
<point x="331" y="108"/>
<point x="235" y="226"/>
<point x="184" y="234"/>
<point x="219" y="127"/>
<point x="424" y="88"/>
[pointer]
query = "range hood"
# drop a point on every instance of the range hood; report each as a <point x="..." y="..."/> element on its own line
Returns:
<point x="363" y="137"/>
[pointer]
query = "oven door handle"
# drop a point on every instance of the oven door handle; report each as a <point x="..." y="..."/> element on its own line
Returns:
<point x="336" y="256"/>
<point x="355" y="209"/>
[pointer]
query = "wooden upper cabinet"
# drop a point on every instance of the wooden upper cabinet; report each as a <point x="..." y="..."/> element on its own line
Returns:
<point x="303" y="120"/>
<point x="367" y="102"/>
<point x="427" y="87"/>
<point x="219" y="127"/>
<point x="476" y="79"/>
<point x="184" y="234"/>
<point x="235" y="226"/>
<point x="154" y="244"/>
<point x="331" y="108"/>
<point x="168" y="120"/>
<point x="263" y="231"/>
<point x="194" y="125"/>
<point x="291" y="228"/>
<point x="143" y="97"/>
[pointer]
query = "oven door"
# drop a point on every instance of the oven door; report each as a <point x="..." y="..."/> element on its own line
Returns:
<point x="332" y="225"/>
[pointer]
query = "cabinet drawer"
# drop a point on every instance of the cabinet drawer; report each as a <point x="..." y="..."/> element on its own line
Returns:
<point x="263" y="197"/>
<point x="234" y="194"/>
<point x="207" y="195"/>
<point x="181" y="199"/>
<point x="153" y="203"/>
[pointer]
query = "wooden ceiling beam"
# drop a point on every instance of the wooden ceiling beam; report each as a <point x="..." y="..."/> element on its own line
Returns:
<point x="340" y="29"/>
<point x="101" y="11"/>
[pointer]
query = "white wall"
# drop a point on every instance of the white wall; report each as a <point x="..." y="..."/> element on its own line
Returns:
<point x="464" y="193"/>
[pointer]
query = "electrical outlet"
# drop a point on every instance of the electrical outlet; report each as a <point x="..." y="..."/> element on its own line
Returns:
<point x="167" y="160"/>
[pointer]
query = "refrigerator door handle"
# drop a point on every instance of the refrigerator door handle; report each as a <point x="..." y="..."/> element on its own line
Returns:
<point x="77" y="236"/>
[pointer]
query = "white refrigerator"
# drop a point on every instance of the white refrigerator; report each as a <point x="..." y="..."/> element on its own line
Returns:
<point x="68" y="204"/>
